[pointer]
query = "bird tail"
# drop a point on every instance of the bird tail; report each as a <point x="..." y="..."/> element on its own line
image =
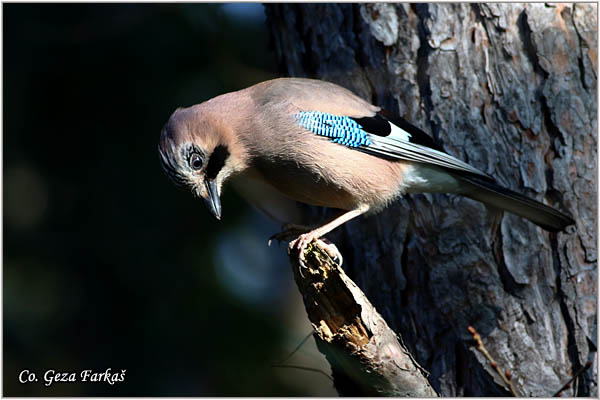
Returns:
<point x="540" y="214"/>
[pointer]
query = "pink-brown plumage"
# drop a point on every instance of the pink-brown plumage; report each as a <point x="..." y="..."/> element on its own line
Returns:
<point x="303" y="166"/>
<point x="253" y="137"/>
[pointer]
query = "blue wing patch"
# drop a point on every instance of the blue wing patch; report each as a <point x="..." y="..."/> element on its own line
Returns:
<point x="398" y="140"/>
<point x="341" y="129"/>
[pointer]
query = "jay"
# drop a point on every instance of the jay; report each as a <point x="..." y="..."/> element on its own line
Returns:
<point x="296" y="139"/>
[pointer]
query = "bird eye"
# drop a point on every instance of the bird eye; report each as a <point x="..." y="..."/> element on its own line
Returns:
<point x="195" y="161"/>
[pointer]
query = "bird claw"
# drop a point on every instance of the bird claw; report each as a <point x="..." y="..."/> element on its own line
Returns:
<point x="330" y="249"/>
<point x="300" y="237"/>
<point x="289" y="232"/>
<point x="300" y="244"/>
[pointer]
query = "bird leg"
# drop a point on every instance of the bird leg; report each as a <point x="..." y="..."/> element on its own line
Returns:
<point x="304" y="239"/>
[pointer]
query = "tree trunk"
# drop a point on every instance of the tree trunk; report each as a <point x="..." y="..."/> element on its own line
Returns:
<point x="510" y="89"/>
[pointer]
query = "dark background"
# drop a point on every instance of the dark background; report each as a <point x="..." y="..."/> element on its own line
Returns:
<point x="106" y="264"/>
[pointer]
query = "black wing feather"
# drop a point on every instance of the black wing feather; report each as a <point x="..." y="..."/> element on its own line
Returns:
<point x="418" y="136"/>
<point x="419" y="148"/>
<point x="376" y="125"/>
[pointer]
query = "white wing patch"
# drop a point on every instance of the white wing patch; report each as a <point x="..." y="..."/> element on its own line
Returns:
<point x="398" y="133"/>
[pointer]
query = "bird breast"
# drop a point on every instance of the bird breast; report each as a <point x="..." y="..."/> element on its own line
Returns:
<point x="313" y="170"/>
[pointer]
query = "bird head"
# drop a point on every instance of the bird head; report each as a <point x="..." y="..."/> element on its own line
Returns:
<point x="195" y="152"/>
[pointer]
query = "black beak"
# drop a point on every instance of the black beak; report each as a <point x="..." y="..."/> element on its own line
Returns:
<point x="213" y="202"/>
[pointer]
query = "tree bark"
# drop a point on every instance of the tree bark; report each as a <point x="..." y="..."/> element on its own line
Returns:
<point x="510" y="89"/>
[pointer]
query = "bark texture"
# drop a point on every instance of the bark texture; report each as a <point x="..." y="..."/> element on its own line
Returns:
<point x="511" y="89"/>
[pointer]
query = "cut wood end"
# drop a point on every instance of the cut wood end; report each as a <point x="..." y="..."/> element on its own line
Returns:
<point x="353" y="336"/>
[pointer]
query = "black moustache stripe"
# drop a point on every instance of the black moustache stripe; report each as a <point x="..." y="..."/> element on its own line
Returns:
<point x="217" y="161"/>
